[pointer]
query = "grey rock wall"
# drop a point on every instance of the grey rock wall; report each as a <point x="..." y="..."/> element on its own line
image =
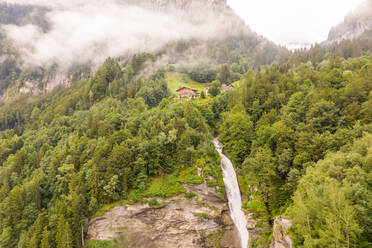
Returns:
<point x="354" y="25"/>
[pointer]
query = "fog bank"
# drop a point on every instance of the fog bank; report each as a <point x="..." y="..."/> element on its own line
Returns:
<point x="84" y="31"/>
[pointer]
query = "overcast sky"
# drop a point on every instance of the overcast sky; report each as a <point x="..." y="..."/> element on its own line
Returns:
<point x="293" y="21"/>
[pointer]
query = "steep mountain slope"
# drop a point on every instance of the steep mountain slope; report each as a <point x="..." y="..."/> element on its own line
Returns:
<point x="354" y="25"/>
<point x="117" y="161"/>
<point x="113" y="145"/>
<point x="195" y="37"/>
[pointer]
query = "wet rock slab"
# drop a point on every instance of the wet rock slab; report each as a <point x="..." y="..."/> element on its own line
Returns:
<point x="178" y="223"/>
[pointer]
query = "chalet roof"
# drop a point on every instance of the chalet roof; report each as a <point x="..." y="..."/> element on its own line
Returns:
<point x="187" y="88"/>
<point x="225" y="86"/>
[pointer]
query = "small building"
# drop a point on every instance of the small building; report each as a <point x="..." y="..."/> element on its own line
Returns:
<point x="186" y="92"/>
<point x="206" y="89"/>
<point x="227" y="87"/>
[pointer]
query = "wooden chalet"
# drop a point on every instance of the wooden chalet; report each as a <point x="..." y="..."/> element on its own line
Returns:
<point x="186" y="92"/>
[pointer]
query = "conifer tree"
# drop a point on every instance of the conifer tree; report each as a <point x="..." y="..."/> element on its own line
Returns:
<point x="45" y="239"/>
<point x="63" y="237"/>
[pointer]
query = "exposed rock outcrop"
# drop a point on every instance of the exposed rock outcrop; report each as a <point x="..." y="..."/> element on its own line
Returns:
<point x="177" y="223"/>
<point x="281" y="238"/>
<point x="354" y="25"/>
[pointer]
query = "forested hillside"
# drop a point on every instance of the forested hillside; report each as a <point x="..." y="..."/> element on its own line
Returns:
<point x="66" y="154"/>
<point x="230" y="41"/>
<point x="296" y="125"/>
<point x="281" y="124"/>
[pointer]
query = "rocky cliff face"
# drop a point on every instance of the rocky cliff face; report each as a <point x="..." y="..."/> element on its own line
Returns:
<point x="354" y="25"/>
<point x="281" y="238"/>
<point x="202" y="221"/>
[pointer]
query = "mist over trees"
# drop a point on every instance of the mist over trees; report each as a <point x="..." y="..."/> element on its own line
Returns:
<point x="297" y="126"/>
<point x="66" y="154"/>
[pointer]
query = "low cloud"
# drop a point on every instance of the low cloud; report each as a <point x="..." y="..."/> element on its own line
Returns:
<point x="90" y="31"/>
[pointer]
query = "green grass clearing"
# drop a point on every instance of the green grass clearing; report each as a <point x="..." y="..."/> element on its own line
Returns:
<point x="177" y="80"/>
<point x="100" y="244"/>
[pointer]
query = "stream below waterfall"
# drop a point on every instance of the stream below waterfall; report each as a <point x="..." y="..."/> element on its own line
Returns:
<point x="233" y="195"/>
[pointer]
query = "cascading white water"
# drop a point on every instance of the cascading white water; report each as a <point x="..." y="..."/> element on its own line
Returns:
<point x="233" y="195"/>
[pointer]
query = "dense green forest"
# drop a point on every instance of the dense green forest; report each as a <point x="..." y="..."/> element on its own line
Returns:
<point x="345" y="49"/>
<point x="69" y="153"/>
<point x="290" y="130"/>
<point x="298" y="128"/>
<point x="299" y="135"/>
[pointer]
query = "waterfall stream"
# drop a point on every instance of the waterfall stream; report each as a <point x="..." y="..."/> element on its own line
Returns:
<point x="233" y="195"/>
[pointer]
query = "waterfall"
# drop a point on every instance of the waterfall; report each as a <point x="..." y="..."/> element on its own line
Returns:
<point x="233" y="195"/>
